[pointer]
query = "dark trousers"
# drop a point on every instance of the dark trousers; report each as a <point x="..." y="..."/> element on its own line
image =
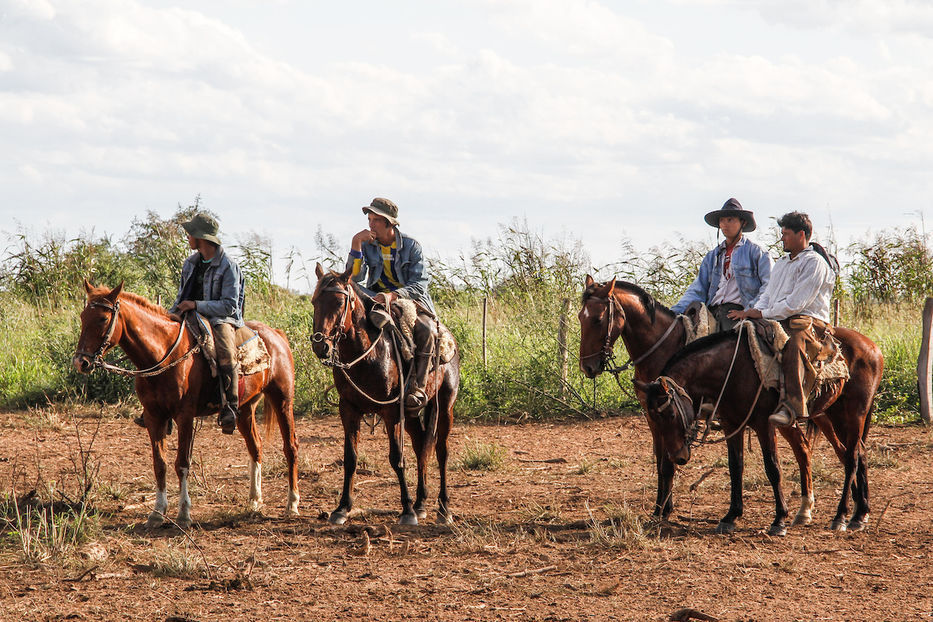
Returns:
<point x="721" y="313"/>
<point x="225" y="345"/>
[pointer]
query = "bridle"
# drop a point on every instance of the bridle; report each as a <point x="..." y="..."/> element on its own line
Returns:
<point x="341" y="333"/>
<point x="607" y="358"/>
<point x="97" y="357"/>
<point x="676" y="398"/>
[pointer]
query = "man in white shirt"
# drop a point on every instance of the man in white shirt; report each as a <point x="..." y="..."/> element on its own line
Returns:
<point x="798" y="295"/>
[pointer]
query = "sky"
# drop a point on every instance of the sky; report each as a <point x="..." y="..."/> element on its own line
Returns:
<point x="594" y="121"/>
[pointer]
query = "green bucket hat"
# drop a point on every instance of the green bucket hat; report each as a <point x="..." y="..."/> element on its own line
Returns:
<point x="385" y="208"/>
<point x="203" y="227"/>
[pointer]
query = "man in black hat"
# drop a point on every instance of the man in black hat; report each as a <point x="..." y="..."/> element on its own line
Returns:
<point x="392" y="266"/>
<point x="212" y="285"/>
<point x="732" y="275"/>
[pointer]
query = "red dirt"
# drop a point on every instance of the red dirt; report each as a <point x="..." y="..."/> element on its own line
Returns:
<point x="523" y="546"/>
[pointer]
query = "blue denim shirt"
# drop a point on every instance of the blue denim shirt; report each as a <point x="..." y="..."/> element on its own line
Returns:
<point x="409" y="268"/>
<point x="751" y="265"/>
<point x="224" y="293"/>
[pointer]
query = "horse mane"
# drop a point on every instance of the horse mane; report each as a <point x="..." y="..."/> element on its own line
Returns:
<point x="136" y="299"/>
<point x="649" y="302"/>
<point x="699" y="345"/>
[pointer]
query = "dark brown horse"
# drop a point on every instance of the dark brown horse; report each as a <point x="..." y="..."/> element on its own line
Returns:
<point x="704" y="369"/>
<point x="652" y="334"/>
<point x="174" y="383"/>
<point x="368" y="380"/>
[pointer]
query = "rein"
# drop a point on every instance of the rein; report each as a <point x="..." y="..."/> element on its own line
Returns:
<point x="97" y="358"/>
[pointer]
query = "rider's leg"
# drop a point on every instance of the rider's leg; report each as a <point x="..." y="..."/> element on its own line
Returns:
<point x="425" y="336"/>
<point x="225" y="344"/>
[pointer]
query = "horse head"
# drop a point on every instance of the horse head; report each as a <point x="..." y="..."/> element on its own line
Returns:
<point x="333" y="301"/>
<point x="671" y="410"/>
<point x="101" y="327"/>
<point x="601" y="323"/>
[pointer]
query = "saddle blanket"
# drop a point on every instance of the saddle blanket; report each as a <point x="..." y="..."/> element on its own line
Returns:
<point x="405" y="314"/>
<point x="252" y="355"/>
<point x="767" y="344"/>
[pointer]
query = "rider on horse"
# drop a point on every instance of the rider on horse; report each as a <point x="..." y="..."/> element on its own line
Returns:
<point x="798" y="295"/>
<point x="212" y="285"/>
<point x="733" y="274"/>
<point x="392" y="266"/>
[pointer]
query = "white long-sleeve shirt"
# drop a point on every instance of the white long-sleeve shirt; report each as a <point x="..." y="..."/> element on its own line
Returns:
<point x="802" y="285"/>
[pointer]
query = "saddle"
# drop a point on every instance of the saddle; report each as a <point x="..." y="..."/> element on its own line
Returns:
<point x="252" y="355"/>
<point x="405" y="313"/>
<point x="698" y="322"/>
<point x="768" y="343"/>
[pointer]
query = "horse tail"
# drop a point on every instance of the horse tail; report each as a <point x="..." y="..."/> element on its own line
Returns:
<point x="270" y="415"/>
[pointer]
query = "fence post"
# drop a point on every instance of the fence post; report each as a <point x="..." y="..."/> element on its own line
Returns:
<point x="923" y="364"/>
<point x="485" y="310"/>
<point x="562" y="344"/>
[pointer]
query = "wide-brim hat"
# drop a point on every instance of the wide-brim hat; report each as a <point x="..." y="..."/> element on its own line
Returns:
<point x="203" y="227"/>
<point x="732" y="207"/>
<point x="385" y="208"/>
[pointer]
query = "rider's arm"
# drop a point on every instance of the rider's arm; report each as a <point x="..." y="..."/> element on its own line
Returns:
<point x="699" y="289"/>
<point x="228" y="303"/>
<point x="416" y="277"/>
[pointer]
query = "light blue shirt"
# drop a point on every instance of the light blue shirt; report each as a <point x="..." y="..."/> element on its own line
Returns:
<point x="751" y="267"/>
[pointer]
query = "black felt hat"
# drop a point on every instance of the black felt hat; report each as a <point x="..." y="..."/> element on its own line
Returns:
<point x="732" y="207"/>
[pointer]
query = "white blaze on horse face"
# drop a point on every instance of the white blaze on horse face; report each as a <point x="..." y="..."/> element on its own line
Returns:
<point x="255" y="485"/>
<point x="586" y="312"/>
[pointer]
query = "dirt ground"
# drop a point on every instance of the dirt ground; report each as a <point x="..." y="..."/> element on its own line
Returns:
<point x="530" y="540"/>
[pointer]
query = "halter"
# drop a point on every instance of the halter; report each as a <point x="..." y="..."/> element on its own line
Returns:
<point x="606" y="353"/>
<point x="97" y="358"/>
<point x="677" y="400"/>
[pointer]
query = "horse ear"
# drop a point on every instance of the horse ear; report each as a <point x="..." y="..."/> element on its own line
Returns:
<point x="589" y="281"/>
<point x="612" y="285"/>
<point x="641" y="386"/>
<point x="319" y="270"/>
<point x="115" y="293"/>
<point x="87" y="286"/>
<point x="347" y="273"/>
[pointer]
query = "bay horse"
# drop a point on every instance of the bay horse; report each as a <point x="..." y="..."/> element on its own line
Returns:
<point x="369" y="378"/>
<point x="722" y="365"/>
<point x="652" y="334"/>
<point x="174" y="384"/>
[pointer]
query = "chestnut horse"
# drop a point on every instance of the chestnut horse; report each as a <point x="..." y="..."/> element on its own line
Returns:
<point x="174" y="383"/>
<point x="368" y="380"/>
<point x="721" y="364"/>
<point x="652" y="334"/>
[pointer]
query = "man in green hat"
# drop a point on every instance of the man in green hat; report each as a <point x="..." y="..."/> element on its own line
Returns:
<point x="212" y="285"/>
<point x="392" y="266"/>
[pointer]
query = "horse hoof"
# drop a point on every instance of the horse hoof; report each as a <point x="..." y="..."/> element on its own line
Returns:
<point x="183" y="523"/>
<point x="725" y="529"/>
<point x="445" y="518"/>
<point x="777" y="530"/>
<point x="408" y="519"/>
<point x="291" y="512"/>
<point x="154" y="521"/>
<point x="421" y="514"/>
<point x="858" y="525"/>
<point x="802" y="519"/>
<point x="337" y="518"/>
<point x="838" y="525"/>
<point x="254" y="506"/>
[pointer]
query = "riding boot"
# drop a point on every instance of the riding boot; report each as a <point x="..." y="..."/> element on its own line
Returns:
<point x="424" y="339"/>
<point x="228" y="413"/>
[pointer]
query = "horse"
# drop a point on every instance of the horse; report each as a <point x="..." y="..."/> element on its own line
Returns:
<point x="175" y="385"/>
<point x="652" y="334"/>
<point x="369" y="377"/>
<point x="721" y="365"/>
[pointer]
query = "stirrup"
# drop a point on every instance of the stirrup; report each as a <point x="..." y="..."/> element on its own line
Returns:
<point x="782" y="417"/>
<point x="416" y="399"/>
<point x="227" y="420"/>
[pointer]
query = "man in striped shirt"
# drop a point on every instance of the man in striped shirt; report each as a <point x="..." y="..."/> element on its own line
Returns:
<point x="391" y="266"/>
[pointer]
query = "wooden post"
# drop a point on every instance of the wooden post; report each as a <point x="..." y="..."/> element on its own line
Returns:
<point x="923" y="364"/>
<point x="835" y="312"/>
<point x="485" y="312"/>
<point x="563" y="354"/>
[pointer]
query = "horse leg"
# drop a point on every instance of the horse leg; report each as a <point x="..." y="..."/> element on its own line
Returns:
<point x="801" y="447"/>
<point x="351" y="439"/>
<point x="736" y="468"/>
<point x="766" y="439"/>
<point x="182" y="467"/>
<point x="157" y="432"/>
<point x="246" y="423"/>
<point x="664" y="503"/>
<point x="444" y="424"/>
<point x="407" y="517"/>
<point x="422" y="442"/>
<point x="859" y="519"/>
<point x="280" y="404"/>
